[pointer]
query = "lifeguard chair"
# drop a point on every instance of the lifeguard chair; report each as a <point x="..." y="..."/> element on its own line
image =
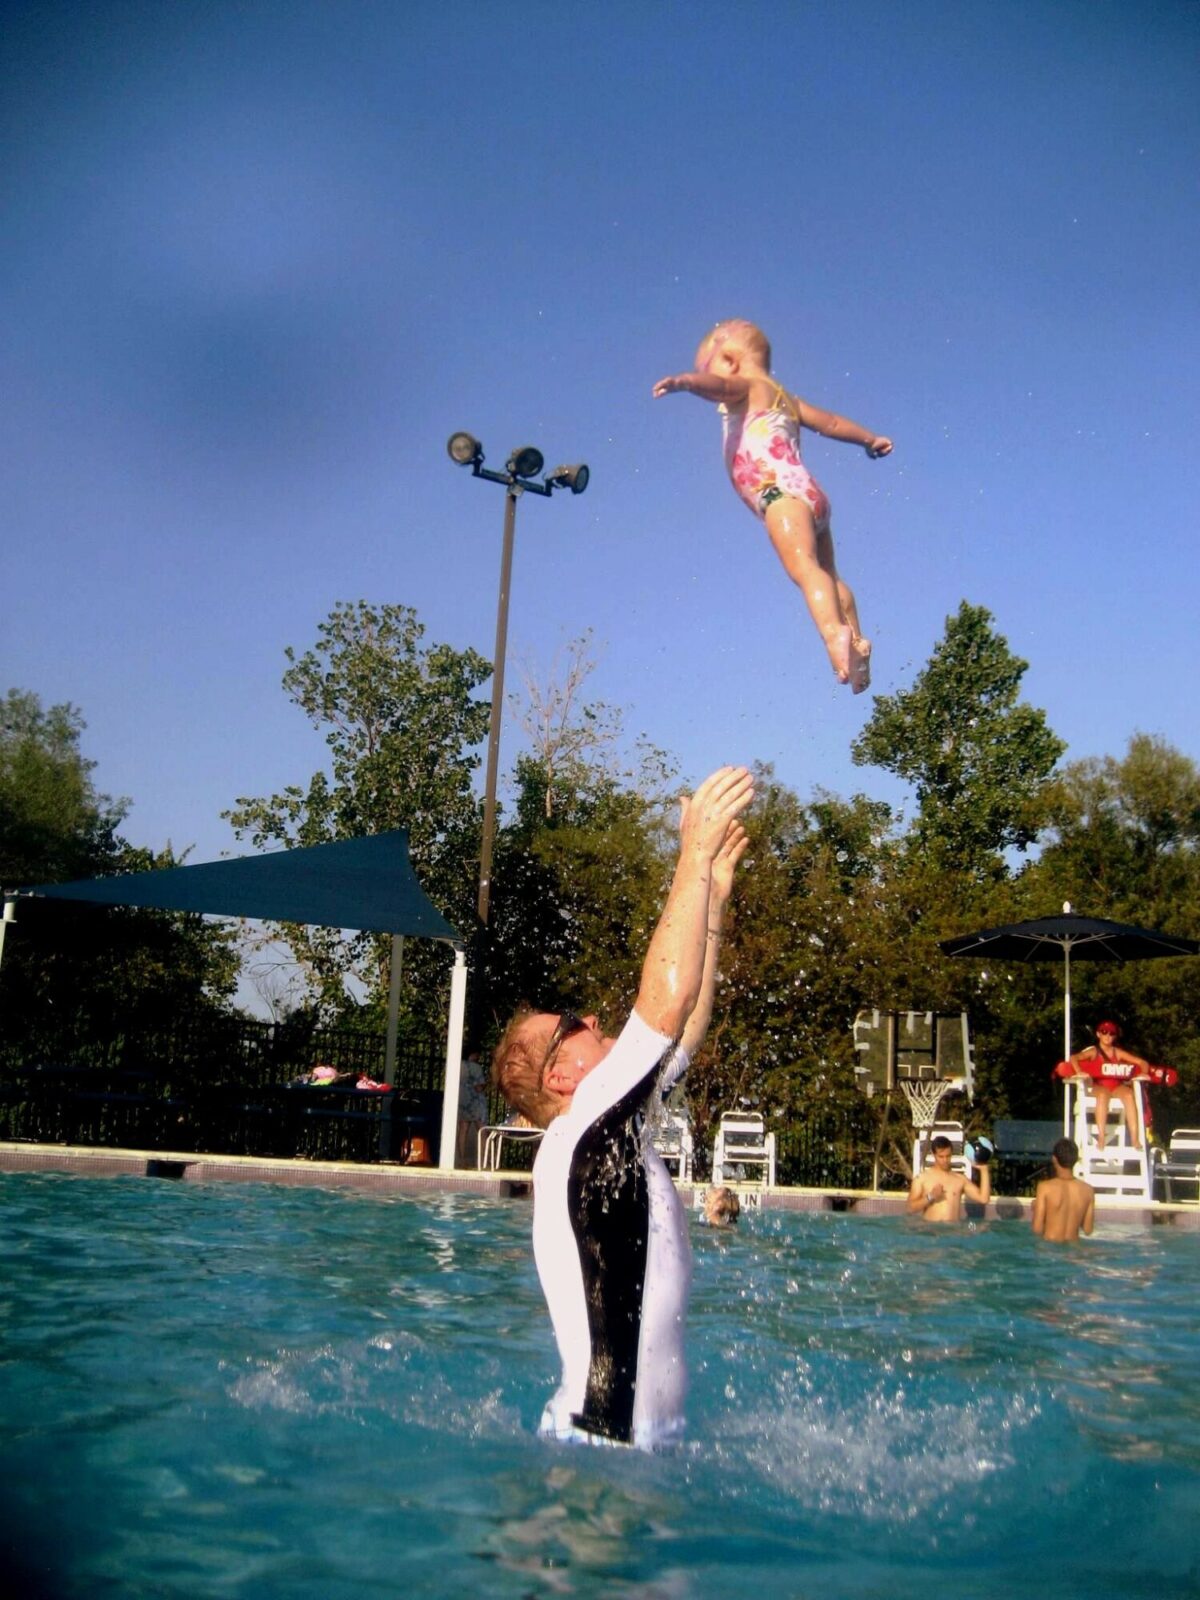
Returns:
<point x="1120" y="1167"/>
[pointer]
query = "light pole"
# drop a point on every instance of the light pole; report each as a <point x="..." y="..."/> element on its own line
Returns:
<point x="520" y="470"/>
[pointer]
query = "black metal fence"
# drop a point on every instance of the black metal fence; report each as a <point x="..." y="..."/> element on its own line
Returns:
<point x="229" y="1086"/>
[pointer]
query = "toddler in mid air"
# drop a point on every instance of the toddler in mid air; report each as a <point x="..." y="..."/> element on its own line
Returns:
<point x="762" y="425"/>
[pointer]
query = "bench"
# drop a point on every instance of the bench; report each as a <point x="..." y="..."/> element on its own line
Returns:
<point x="1026" y="1141"/>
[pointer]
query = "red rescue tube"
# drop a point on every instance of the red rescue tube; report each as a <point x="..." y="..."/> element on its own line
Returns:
<point x="1111" y="1074"/>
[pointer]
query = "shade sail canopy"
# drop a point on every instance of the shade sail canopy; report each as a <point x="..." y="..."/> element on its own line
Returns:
<point x="367" y="884"/>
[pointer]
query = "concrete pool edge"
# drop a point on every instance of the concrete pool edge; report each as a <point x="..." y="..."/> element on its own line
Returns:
<point x="192" y="1167"/>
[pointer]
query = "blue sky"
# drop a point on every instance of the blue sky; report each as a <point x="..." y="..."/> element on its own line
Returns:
<point x="262" y="259"/>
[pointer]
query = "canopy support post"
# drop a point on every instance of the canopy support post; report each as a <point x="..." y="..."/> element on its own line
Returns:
<point x="454" y="1053"/>
<point x="10" y="915"/>
<point x="395" y="973"/>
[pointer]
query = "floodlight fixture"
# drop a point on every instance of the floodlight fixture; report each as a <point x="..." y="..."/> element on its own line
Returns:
<point x="574" y="478"/>
<point x="465" y="449"/>
<point x="519" y="475"/>
<point x="526" y="462"/>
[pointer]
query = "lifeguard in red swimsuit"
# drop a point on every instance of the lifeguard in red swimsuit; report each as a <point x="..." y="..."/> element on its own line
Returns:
<point x="1113" y="1071"/>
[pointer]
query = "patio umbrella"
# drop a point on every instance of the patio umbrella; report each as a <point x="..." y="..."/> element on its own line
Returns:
<point x="1066" y="938"/>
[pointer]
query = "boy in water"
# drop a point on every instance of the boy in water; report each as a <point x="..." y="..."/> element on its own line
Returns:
<point x="609" y="1231"/>
<point x="937" y="1194"/>
<point x="762" y="425"/>
<point x="1064" y="1206"/>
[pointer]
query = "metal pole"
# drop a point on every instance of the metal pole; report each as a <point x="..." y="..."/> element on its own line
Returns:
<point x="493" y="759"/>
<point x="395" y="972"/>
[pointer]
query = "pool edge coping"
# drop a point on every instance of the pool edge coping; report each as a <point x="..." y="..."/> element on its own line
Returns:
<point x="198" y="1167"/>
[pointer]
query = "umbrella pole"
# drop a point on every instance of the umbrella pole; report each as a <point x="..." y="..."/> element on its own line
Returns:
<point x="1067" y="1004"/>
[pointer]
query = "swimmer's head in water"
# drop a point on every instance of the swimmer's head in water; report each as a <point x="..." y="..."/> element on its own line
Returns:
<point x="1066" y="1153"/>
<point x="721" y="1207"/>
<point x="736" y="338"/>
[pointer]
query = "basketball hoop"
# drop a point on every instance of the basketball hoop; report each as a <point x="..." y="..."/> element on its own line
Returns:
<point x="924" y="1096"/>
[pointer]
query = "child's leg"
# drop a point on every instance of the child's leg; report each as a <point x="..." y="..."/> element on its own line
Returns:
<point x="860" y="648"/>
<point x="808" y="560"/>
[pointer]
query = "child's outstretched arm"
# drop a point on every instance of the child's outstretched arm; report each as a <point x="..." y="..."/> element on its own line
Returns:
<point x="705" y="386"/>
<point x="841" y="428"/>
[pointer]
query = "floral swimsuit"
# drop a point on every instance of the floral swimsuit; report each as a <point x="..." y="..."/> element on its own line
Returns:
<point x="762" y="456"/>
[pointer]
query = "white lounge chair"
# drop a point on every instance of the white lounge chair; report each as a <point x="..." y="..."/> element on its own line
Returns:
<point x="672" y="1138"/>
<point x="744" y="1150"/>
<point x="492" y="1140"/>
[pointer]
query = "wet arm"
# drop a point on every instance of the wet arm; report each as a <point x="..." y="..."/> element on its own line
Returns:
<point x="731" y="852"/>
<point x="1039" y="1211"/>
<point x="980" y="1192"/>
<point x="674" y="968"/>
<point x="705" y="386"/>
<point x="832" y="426"/>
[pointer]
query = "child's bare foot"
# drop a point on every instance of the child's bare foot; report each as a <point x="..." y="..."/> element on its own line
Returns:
<point x="841" y="652"/>
<point x="860" y="664"/>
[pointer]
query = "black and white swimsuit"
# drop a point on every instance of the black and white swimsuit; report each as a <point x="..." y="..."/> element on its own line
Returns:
<point x="611" y="1246"/>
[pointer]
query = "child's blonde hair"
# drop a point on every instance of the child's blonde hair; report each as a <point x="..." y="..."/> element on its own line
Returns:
<point x="738" y="331"/>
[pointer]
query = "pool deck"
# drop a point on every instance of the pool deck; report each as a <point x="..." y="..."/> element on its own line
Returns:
<point x="385" y="1178"/>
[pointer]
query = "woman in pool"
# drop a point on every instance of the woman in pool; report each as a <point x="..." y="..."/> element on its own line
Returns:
<point x="609" y="1231"/>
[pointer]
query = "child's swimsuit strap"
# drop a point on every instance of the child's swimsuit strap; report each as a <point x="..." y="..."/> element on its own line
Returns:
<point x="783" y="402"/>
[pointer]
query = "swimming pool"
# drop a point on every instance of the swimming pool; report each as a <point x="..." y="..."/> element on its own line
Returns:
<point x="244" y="1390"/>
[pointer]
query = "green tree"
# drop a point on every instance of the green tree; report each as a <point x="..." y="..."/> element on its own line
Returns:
<point x="1123" y="841"/>
<point x="76" y="977"/>
<point x="401" y="726"/>
<point x="54" y="826"/>
<point x="978" y="757"/>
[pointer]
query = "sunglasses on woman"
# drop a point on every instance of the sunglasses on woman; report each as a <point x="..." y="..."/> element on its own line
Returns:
<point x="568" y="1023"/>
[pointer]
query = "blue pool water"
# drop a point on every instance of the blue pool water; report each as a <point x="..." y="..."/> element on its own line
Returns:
<point x="241" y="1390"/>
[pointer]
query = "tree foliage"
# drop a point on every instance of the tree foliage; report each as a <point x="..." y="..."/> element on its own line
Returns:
<point x="977" y="757"/>
<point x="402" y="729"/>
<point x="73" y="972"/>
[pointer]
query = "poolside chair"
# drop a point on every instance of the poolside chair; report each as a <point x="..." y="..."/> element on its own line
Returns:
<point x="1120" y="1167"/>
<point x="744" y="1151"/>
<point x="671" y="1136"/>
<point x="1180" y="1164"/>
<point x="493" y="1138"/>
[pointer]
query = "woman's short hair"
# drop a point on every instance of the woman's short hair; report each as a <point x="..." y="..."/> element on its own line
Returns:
<point x="517" y="1073"/>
